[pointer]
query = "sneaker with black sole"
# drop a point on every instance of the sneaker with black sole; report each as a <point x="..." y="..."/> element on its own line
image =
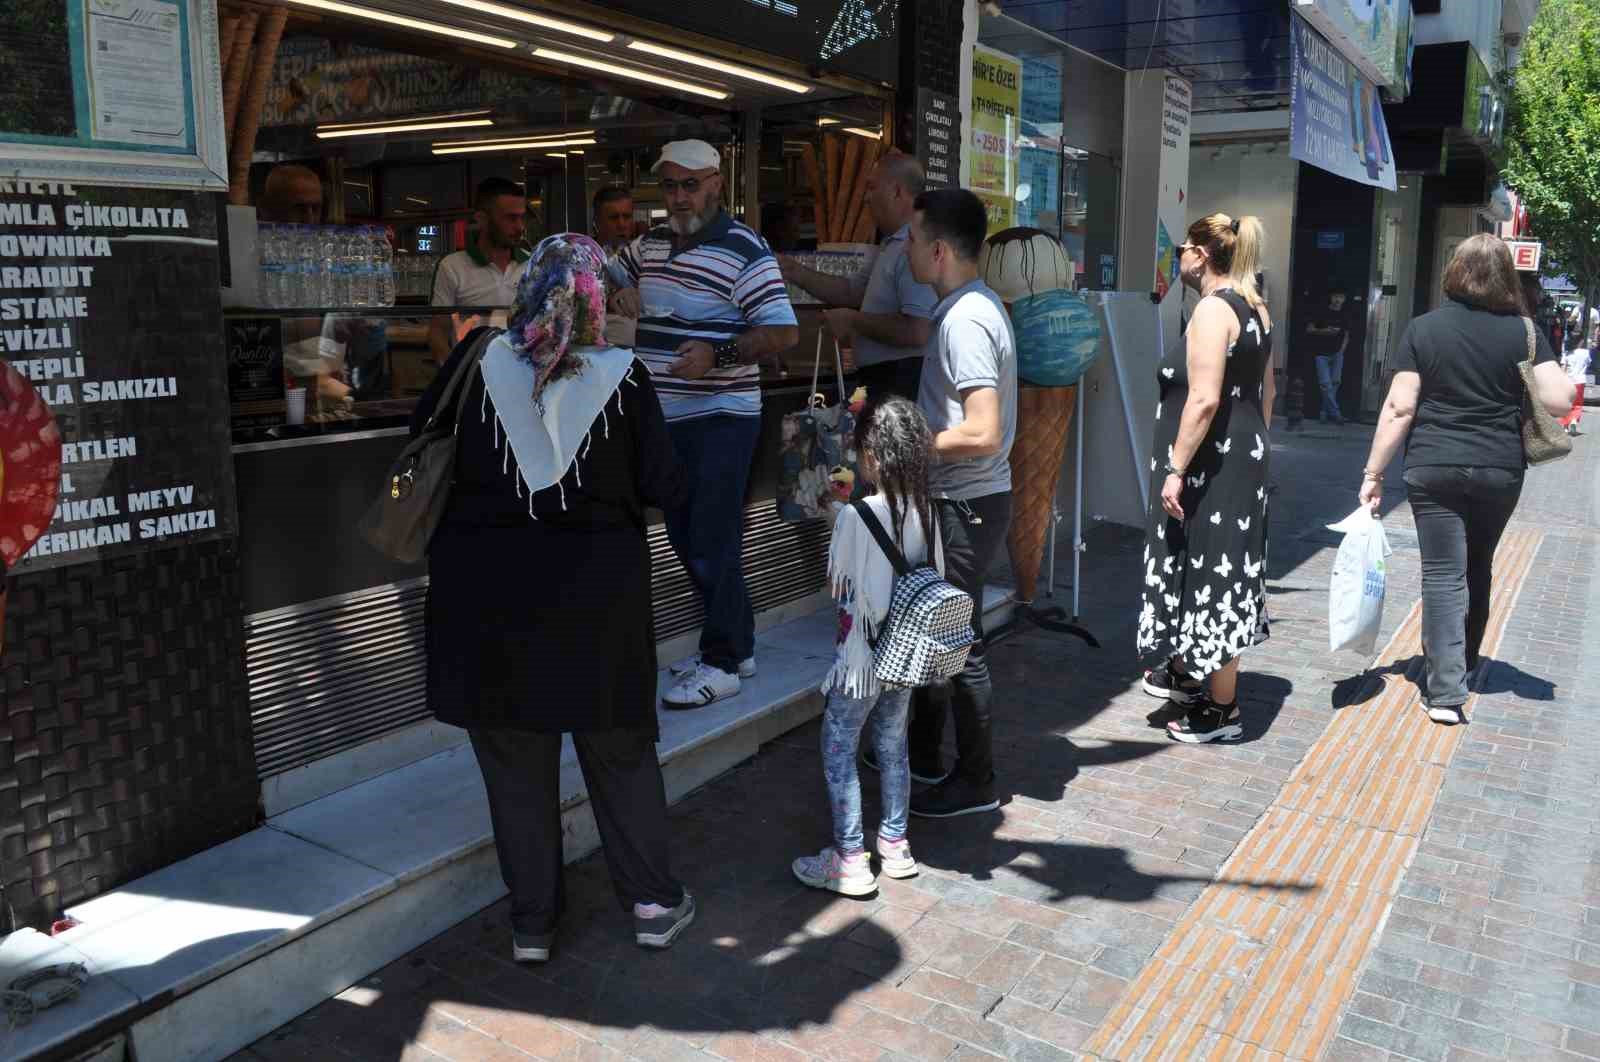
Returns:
<point x="925" y="775"/>
<point x="1207" y="721"/>
<point x="1448" y="714"/>
<point x="952" y="797"/>
<point x="655" y="926"/>
<point x="700" y="687"/>
<point x="1168" y="683"/>
<point x="531" y="947"/>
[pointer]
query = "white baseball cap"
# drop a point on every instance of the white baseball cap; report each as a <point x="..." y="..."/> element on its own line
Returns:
<point x="690" y="154"/>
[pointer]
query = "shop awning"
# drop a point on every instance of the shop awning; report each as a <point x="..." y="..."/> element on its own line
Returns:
<point x="1235" y="52"/>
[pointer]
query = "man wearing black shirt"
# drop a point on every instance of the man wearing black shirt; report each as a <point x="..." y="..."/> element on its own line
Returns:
<point x="1331" y="328"/>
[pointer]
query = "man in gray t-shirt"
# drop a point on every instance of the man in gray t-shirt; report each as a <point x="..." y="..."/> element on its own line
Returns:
<point x="969" y="394"/>
<point x="890" y="328"/>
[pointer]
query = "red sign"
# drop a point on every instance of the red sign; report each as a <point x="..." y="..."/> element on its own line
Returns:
<point x="30" y="465"/>
<point x="1525" y="253"/>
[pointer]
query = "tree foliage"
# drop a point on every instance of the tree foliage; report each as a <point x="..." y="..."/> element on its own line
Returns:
<point x="1553" y="135"/>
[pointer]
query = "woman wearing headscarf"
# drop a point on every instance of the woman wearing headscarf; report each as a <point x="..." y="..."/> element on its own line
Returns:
<point x="539" y="617"/>
<point x="1456" y="404"/>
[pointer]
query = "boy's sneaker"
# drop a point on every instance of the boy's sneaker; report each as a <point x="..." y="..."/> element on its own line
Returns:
<point x="952" y="797"/>
<point x="1167" y="682"/>
<point x="1448" y="714"/>
<point x="828" y="870"/>
<point x="700" y="687"/>
<point x="747" y="667"/>
<point x="531" y="947"/>
<point x="655" y="926"/>
<point x="926" y="775"/>
<point x="894" y="858"/>
<point x="1208" y="721"/>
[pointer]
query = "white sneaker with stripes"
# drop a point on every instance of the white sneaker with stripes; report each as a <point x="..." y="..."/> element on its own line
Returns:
<point x="700" y="687"/>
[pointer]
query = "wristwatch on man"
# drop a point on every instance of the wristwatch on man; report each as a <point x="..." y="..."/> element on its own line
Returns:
<point x="725" y="355"/>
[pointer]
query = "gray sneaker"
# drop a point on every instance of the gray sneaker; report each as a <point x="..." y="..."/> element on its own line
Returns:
<point x="659" y="931"/>
<point x="531" y="947"/>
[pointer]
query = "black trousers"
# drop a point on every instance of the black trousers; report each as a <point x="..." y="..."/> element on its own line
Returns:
<point x="974" y="532"/>
<point x="522" y="772"/>
<point x="1461" y="513"/>
<point x="901" y="378"/>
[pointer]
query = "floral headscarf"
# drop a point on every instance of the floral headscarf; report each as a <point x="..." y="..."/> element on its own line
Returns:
<point x="560" y="304"/>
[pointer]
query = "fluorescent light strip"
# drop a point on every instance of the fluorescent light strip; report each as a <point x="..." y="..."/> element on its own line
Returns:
<point x="555" y="154"/>
<point x="542" y="21"/>
<point x="531" y="145"/>
<point x="526" y="138"/>
<point x="827" y="121"/>
<point x="413" y="127"/>
<point x="409" y="23"/>
<point x="868" y="133"/>
<point x="709" y="63"/>
<point x="380" y="122"/>
<point x="631" y="72"/>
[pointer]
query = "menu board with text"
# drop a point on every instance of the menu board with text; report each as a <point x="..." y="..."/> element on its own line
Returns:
<point x="109" y="305"/>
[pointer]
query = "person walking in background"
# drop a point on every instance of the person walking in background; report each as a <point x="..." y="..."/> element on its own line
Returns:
<point x="1331" y="327"/>
<point x="1576" y="362"/>
<point x="896" y="449"/>
<point x="1456" y="403"/>
<point x="1205" y="590"/>
<point x="969" y="395"/>
<point x="541" y="562"/>
<point x="882" y="310"/>
<point x="713" y="305"/>
<point x="613" y="218"/>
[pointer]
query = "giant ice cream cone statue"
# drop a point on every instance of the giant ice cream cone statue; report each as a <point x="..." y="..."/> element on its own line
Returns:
<point x="1057" y="335"/>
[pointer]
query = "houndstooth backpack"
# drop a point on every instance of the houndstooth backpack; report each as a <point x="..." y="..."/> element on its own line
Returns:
<point x="928" y="632"/>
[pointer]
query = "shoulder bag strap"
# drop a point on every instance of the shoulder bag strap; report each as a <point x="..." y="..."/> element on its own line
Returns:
<point x="1533" y="346"/>
<point x="885" y="543"/>
<point x="455" y="391"/>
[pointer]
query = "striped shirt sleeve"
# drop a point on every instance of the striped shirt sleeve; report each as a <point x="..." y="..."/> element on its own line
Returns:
<point x="623" y="269"/>
<point x="761" y="295"/>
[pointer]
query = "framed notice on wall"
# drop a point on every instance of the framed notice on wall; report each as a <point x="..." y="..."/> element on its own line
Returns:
<point x="124" y="92"/>
<point x="134" y="376"/>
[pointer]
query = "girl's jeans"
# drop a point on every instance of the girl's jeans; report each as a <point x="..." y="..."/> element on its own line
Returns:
<point x="842" y="722"/>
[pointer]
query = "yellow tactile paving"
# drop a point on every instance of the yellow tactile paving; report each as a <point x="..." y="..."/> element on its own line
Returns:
<point x="1262" y="963"/>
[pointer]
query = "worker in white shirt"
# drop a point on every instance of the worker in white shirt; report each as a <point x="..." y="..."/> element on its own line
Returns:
<point x="487" y="272"/>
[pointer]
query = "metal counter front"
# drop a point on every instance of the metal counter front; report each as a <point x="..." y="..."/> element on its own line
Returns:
<point x="334" y="630"/>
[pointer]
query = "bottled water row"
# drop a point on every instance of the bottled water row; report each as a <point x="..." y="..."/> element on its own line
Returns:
<point x="325" y="266"/>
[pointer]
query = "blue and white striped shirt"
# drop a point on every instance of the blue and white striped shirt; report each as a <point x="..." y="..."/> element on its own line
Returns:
<point x="720" y="284"/>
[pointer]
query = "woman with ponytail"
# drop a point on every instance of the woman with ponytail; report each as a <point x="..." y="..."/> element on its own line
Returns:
<point x="1206" y="545"/>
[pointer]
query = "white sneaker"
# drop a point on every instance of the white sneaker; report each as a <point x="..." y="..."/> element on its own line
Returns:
<point x="828" y="870"/>
<point x="700" y="687"/>
<point x="1449" y="714"/>
<point x="894" y="858"/>
<point x="686" y="666"/>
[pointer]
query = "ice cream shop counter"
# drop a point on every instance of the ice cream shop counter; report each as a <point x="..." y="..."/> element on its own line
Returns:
<point x="333" y="629"/>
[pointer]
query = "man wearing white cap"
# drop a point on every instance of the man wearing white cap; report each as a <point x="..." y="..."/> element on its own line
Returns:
<point x="711" y="304"/>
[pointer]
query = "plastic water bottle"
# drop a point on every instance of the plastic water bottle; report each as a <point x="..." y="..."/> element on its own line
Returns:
<point x="333" y="284"/>
<point x="267" y="264"/>
<point x="381" y="256"/>
<point x="356" y="267"/>
<point x="307" y="281"/>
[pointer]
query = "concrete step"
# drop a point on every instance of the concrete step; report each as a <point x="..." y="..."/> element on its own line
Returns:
<point x="204" y="957"/>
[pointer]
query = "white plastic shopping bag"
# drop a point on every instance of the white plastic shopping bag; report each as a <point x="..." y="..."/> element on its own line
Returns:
<point x="1355" y="599"/>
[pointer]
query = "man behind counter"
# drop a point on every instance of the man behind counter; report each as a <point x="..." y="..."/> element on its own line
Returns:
<point x="487" y="272"/>
<point x="882" y="309"/>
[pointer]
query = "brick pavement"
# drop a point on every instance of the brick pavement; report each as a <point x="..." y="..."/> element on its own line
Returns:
<point x="1028" y="928"/>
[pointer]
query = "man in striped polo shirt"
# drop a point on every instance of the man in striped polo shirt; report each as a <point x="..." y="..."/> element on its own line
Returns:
<point x="711" y="304"/>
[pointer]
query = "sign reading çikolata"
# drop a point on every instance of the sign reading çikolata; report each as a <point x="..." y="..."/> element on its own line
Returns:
<point x="108" y="305"/>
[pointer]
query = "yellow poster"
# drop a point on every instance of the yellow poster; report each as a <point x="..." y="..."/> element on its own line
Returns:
<point x="995" y="106"/>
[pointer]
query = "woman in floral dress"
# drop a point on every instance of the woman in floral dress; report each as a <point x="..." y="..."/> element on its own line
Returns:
<point x="1205" y="553"/>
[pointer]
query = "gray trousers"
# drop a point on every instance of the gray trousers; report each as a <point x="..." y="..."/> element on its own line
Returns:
<point x="1460" y="512"/>
<point x="522" y="772"/>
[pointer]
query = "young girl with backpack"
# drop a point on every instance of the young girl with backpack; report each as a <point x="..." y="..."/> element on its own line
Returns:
<point x="895" y="448"/>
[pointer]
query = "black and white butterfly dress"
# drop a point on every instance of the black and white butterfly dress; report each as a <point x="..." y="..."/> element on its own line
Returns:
<point x="1205" y="576"/>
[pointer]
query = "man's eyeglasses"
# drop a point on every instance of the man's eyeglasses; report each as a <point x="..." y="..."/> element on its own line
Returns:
<point x="690" y="185"/>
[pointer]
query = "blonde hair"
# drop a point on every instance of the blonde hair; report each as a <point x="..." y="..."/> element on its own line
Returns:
<point x="1234" y="248"/>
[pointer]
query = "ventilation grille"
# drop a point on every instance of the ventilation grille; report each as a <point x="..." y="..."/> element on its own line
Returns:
<point x="330" y="675"/>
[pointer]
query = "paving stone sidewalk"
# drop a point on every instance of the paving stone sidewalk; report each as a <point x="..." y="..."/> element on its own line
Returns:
<point x="1027" y="926"/>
